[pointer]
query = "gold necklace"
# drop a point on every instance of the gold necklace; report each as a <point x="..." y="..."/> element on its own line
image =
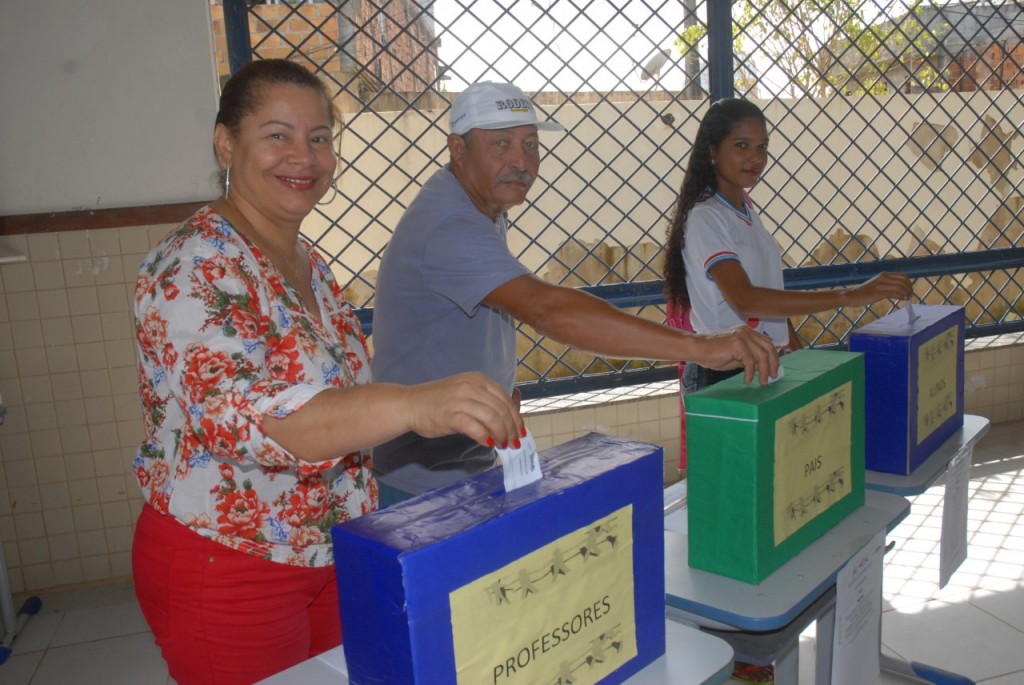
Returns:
<point x="292" y="270"/>
<point x="292" y="274"/>
<point x="246" y="228"/>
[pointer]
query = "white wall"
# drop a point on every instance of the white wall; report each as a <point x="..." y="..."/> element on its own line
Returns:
<point x="105" y="103"/>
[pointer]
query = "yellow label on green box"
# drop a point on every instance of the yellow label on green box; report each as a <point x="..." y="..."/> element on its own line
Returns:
<point x="563" y="613"/>
<point x="937" y="364"/>
<point x="812" y="460"/>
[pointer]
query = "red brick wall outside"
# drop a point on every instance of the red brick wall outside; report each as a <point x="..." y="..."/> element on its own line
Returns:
<point x="404" y="64"/>
<point x="398" y="59"/>
<point x="392" y="53"/>
<point x="993" y="69"/>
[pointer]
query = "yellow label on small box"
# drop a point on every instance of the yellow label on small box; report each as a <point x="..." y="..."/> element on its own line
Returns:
<point x="937" y="381"/>
<point x="562" y="613"/>
<point x="812" y="460"/>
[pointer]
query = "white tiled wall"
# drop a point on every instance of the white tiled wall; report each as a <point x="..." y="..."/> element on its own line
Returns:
<point x="648" y="413"/>
<point x="68" y="501"/>
<point x="994" y="377"/>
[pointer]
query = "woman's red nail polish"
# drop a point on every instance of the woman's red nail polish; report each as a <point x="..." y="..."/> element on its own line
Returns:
<point x="490" y="441"/>
<point x="516" y="444"/>
<point x="522" y="431"/>
<point x="504" y="445"/>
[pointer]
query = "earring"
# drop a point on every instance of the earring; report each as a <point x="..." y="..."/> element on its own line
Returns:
<point x="334" y="187"/>
<point x="334" y="196"/>
<point x="227" y="182"/>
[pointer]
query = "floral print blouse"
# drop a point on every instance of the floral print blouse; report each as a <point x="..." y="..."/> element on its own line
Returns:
<point x="223" y="339"/>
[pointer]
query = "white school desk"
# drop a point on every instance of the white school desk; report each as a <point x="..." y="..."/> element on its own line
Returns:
<point x="763" y="622"/>
<point x="934" y="467"/>
<point x="691" y="658"/>
<point x="774" y="612"/>
<point x="915" y="483"/>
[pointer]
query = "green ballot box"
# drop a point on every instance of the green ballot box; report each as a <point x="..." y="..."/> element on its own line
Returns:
<point x="772" y="468"/>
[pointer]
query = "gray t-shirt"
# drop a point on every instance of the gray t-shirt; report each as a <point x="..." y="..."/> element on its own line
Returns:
<point x="444" y="258"/>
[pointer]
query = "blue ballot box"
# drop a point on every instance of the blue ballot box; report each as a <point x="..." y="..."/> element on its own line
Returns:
<point x="913" y="384"/>
<point x="561" y="580"/>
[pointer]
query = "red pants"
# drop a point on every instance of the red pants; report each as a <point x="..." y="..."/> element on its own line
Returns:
<point x="222" y="617"/>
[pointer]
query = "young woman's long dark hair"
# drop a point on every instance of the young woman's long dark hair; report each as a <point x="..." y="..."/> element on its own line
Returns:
<point x="699" y="184"/>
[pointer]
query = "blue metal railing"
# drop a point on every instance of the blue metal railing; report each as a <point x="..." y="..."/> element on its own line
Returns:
<point x="646" y="293"/>
<point x="720" y="55"/>
<point x="236" y="32"/>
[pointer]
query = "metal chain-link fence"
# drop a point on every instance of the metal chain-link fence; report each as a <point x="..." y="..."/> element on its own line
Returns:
<point x="898" y="122"/>
<point x="894" y="133"/>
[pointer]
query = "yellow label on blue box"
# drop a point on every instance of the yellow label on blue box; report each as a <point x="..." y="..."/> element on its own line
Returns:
<point x="812" y="460"/>
<point x="563" y="613"/>
<point x="937" y="381"/>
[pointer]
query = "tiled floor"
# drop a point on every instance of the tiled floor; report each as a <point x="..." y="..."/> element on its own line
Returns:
<point x="88" y="636"/>
<point x="973" y="626"/>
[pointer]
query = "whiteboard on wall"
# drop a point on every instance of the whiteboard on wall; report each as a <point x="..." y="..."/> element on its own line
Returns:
<point x="105" y="103"/>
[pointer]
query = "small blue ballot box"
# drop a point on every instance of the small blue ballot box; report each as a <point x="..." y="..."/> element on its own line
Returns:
<point x="561" y="580"/>
<point x="914" y="384"/>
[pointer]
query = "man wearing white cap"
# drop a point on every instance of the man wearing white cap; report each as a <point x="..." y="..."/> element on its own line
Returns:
<point x="449" y="292"/>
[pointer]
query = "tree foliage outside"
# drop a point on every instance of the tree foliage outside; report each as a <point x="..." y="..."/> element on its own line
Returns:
<point x="821" y="48"/>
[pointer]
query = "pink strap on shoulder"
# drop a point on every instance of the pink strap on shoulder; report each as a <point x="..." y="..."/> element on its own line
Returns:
<point x="678" y="317"/>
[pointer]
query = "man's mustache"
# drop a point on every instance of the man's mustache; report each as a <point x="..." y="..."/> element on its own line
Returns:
<point x="523" y="177"/>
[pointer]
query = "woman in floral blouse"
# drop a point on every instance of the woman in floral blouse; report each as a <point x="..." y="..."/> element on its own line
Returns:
<point x="259" y="411"/>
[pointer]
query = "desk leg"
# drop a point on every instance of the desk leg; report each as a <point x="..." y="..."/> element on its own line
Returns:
<point x="787" y="664"/>
<point x="824" y="634"/>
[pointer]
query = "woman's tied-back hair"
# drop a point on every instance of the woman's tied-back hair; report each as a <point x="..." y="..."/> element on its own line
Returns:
<point x="699" y="184"/>
<point x="241" y="94"/>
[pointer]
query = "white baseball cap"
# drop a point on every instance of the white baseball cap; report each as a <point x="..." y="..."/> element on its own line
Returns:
<point x="495" y="105"/>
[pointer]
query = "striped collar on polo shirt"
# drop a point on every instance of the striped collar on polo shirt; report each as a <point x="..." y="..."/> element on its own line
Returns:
<point x="744" y="213"/>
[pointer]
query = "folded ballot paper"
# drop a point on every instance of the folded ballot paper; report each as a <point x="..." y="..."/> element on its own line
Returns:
<point x="772" y="468"/>
<point x="914" y="384"/>
<point x="558" y="580"/>
<point x="520" y="465"/>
